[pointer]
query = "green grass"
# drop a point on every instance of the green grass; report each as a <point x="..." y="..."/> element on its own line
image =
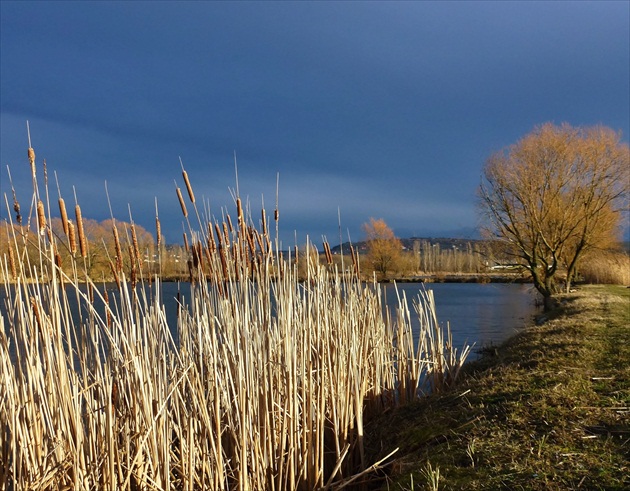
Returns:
<point x="550" y="409"/>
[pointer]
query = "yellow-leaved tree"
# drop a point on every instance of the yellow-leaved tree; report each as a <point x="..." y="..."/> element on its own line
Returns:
<point x="555" y="197"/>
<point x="384" y="249"/>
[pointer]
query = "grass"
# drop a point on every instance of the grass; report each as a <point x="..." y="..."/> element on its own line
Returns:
<point x="548" y="410"/>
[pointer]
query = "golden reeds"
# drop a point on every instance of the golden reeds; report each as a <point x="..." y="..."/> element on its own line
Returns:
<point x="262" y="383"/>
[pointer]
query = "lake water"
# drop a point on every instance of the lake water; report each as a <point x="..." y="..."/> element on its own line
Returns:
<point x="483" y="314"/>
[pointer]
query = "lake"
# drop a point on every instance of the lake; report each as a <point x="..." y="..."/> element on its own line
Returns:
<point x="482" y="313"/>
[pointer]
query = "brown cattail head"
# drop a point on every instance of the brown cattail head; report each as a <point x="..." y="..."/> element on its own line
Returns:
<point x="191" y="195"/>
<point x="80" y="231"/>
<point x="64" y="215"/>
<point x="58" y="259"/>
<point x="114" y="273"/>
<point x="107" y="308"/>
<point x="181" y="202"/>
<point x="31" y="159"/>
<point x="41" y="217"/>
<point x="186" y="247"/>
<point x="12" y="263"/>
<point x="229" y="222"/>
<point x="276" y="214"/>
<point x="239" y="212"/>
<point x="158" y="232"/>
<point x="134" y="241"/>
<point x="133" y="272"/>
<point x="226" y="234"/>
<point x="16" y="208"/>
<point x="219" y="235"/>
<point x="72" y="238"/>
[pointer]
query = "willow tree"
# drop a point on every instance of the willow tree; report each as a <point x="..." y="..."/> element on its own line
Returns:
<point x="555" y="196"/>
<point x="384" y="249"/>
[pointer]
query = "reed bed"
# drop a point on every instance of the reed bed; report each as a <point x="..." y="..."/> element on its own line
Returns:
<point x="267" y="384"/>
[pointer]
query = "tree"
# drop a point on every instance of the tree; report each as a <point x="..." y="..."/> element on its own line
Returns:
<point x="384" y="249"/>
<point x="556" y="195"/>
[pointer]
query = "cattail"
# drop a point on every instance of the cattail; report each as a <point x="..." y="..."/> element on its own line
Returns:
<point x="133" y="266"/>
<point x="158" y="232"/>
<point x="31" y="159"/>
<point x="41" y="217"/>
<point x="12" y="263"/>
<point x="16" y="208"/>
<point x="264" y="222"/>
<point x="134" y="241"/>
<point x="226" y="234"/>
<point x="64" y="215"/>
<point x="329" y="259"/>
<point x="114" y="273"/>
<point x="117" y="248"/>
<point x="186" y="247"/>
<point x="276" y="214"/>
<point x="181" y="202"/>
<point x="38" y="317"/>
<point x="212" y="246"/>
<point x="219" y="235"/>
<point x="72" y="238"/>
<point x="114" y="395"/>
<point x="107" y="308"/>
<point x="191" y="276"/>
<point x="229" y="222"/>
<point x="80" y="231"/>
<point x="45" y="174"/>
<point x="191" y="195"/>
<point x="239" y="212"/>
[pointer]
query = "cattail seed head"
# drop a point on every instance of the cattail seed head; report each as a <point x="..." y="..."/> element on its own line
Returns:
<point x="264" y="221"/>
<point x="186" y="247"/>
<point x="80" y="231"/>
<point x="72" y="238"/>
<point x="64" y="215"/>
<point x="229" y="222"/>
<point x="191" y="195"/>
<point x="41" y="217"/>
<point x="134" y="241"/>
<point x="12" y="263"/>
<point x="181" y="202"/>
<point x="16" y="208"/>
<point x="158" y="232"/>
<point x="31" y="159"/>
<point x="239" y="210"/>
<point x="118" y="249"/>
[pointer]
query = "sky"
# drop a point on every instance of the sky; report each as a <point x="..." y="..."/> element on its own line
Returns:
<point x="341" y="111"/>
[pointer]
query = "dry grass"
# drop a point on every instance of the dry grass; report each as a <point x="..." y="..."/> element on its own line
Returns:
<point x="269" y="387"/>
<point x="548" y="410"/>
<point x="612" y="268"/>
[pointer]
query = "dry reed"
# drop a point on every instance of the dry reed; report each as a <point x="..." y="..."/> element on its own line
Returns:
<point x="268" y="386"/>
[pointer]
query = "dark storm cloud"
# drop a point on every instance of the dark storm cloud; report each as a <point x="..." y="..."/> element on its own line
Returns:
<point x="375" y="109"/>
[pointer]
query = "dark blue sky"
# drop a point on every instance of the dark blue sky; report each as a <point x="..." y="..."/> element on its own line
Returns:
<point x="383" y="110"/>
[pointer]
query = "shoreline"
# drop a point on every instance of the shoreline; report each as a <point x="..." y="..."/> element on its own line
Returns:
<point x="547" y="409"/>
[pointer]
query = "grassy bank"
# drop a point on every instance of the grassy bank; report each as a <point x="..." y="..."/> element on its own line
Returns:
<point x="550" y="409"/>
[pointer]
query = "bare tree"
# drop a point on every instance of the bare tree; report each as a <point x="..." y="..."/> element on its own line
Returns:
<point x="556" y="195"/>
